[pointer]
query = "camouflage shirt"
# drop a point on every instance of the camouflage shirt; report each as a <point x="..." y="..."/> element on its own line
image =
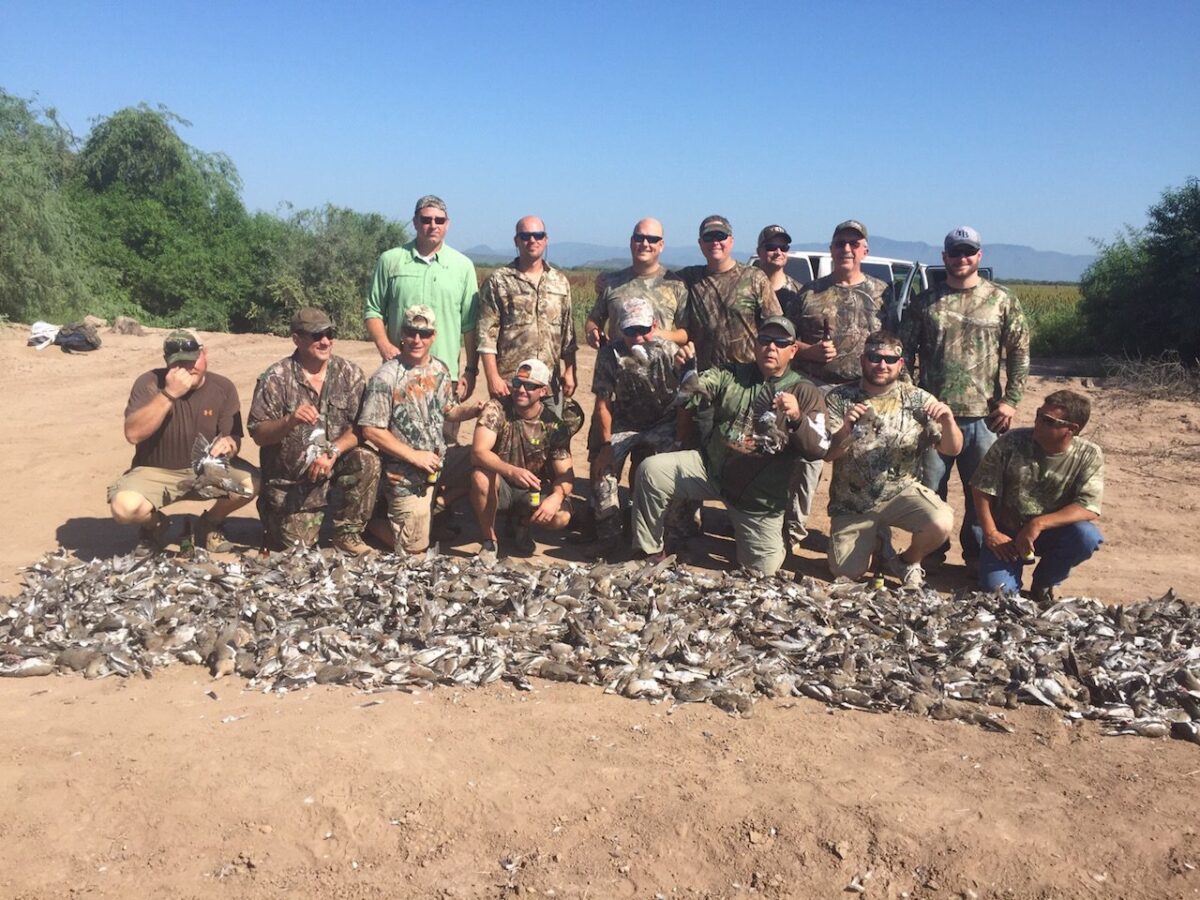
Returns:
<point x="667" y="295"/>
<point x="640" y="385"/>
<point x="723" y="312"/>
<point x="526" y="443"/>
<point x="410" y="402"/>
<point x="788" y="294"/>
<point x="958" y="338"/>
<point x="853" y="311"/>
<point x="885" y="453"/>
<point x="520" y="318"/>
<point x="1027" y="482"/>
<point x="282" y="389"/>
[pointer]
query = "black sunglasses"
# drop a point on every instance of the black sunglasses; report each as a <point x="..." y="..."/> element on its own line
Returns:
<point x="712" y="237"/>
<point x="853" y="245"/>
<point x="425" y="333"/>
<point x="530" y="386"/>
<point x="189" y="346"/>
<point x="1053" y="422"/>
<point x="890" y="358"/>
<point x="531" y="235"/>
<point x="960" y="252"/>
<point x="315" y="336"/>
<point x="636" y="330"/>
<point x="432" y="220"/>
<point x="640" y="238"/>
<point x="775" y="248"/>
<point x="766" y="340"/>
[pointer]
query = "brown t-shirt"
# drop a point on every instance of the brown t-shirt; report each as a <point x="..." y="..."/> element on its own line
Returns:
<point x="212" y="409"/>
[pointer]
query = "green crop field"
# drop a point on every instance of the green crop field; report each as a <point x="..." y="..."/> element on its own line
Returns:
<point x="1053" y="312"/>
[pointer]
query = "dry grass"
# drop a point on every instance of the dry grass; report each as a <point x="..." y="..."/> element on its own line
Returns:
<point x="1165" y="377"/>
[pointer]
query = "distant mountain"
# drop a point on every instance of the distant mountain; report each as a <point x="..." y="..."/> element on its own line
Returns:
<point x="1008" y="261"/>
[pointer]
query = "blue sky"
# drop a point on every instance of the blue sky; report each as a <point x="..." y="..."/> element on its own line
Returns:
<point x="1044" y="124"/>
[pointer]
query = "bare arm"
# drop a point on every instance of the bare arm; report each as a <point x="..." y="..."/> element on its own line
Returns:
<point x="377" y="332"/>
<point x="485" y="457"/>
<point x="388" y="443"/>
<point x="143" y="422"/>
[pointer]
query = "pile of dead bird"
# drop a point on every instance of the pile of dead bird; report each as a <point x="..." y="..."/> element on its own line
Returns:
<point x="656" y="632"/>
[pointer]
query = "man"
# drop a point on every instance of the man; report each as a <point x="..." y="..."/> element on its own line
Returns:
<point x="428" y="273"/>
<point x="635" y="386"/>
<point x="726" y="300"/>
<point x="303" y="417"/>
<point x="168" y="409"/>
<point x="645" y="278"/>
<point x="764" y="417"/>
<point x="773" y="245"/>
<point x="404" y="411"/>
<point x="522" y="458"/>
<point x="525" y="313"/>
<point x="833" y="316"/>
<point x="1037" y="491"/>
<point x="959" y="335"/>
<point x="881" y="428"/>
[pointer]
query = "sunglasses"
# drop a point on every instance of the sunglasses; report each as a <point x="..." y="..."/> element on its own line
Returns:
<point x="853" y="245"/>
<point x="714" y="237"/>
<point x="529" y="386"/>
<point x="636" y="330"/>
<point x="531" y="235"/>
<point x="776" y="248"/>
<point x="1053" y="422"/>
<point x="639" y="238"/>
<point x="424" y="333"/>
<point x="432" y="220"/>
<point x="961" y="252"/>
<point x="890" y="358"/>
<point x="766" y="340"/>
<point x="170" y="348"/>
<point x="315" y="336"/>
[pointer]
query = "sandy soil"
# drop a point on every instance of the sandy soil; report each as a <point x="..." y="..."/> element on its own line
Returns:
<point x="184" y="787"/>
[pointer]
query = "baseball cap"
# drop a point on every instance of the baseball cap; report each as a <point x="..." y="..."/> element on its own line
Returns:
<point x="852" y="225"/>
<point x="181" y="346"/>
<point x="781" y="321"/>
<point x="430" y="200"/>
<point x="636" y="312"/>
<point x="773" y="231"/>
<point x="963" y="234"/>
<point x="422" y="312"/>
<point x="716" y="223"/>
<point x="310" y="320"/>
<point x="538" y="372"/>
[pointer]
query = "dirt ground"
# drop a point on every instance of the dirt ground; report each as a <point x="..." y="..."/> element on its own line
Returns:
<point x="179" y="786"/>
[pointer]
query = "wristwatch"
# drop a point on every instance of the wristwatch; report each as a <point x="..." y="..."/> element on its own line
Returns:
<point x="470" y="370"/>
<point x="334" y="451"/>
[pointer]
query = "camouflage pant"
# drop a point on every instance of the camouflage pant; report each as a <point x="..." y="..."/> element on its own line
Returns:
<point x="288" y="513"/>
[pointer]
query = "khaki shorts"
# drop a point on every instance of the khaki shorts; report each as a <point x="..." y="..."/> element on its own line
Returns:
<point x="161" y="486"/>
<point x="853" y="536"/>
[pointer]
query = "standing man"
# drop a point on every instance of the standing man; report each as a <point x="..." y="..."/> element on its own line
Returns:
<point x="525" y="313"/>
<point x="404" y="411"/>
<point x="833" y="316"/>
<point x="960" y="335"/>
<point x="168" y="409"/>
<point x="645" y="278"/>
<point x="726" y="300"/>
<point x="881" y="428"/>
<point x="522" y="458"/>
<point x="303" y="416"/>
<point x="1037" y="491"/>
<point x="773" y="245"/>
<point x="764" y="416"/>
<point x="428" y="273"/>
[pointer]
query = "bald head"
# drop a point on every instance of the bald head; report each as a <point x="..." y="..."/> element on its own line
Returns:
<point x="643" y="247"/>
<point x="530" y="240"/>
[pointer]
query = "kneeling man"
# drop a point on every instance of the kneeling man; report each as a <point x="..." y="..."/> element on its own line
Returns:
<point x="882" y="427"/>
<point x="1036" y="492"/>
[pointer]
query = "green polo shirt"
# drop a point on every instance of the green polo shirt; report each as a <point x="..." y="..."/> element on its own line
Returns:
<point x="446" y="284"/>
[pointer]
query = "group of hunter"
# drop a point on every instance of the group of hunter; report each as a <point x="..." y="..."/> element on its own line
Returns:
<point x="721" y="381"/>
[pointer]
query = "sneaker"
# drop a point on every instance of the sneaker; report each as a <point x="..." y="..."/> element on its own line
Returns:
<point x="211" y="537"/>
<point x="488" y="553"/>
<point x="152" y="536"/>
<point x="352" y="543"/>
<point x="523" y="541"/>
<point x="911" y="575"/>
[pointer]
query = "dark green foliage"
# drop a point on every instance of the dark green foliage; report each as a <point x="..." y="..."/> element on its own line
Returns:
<point x="1142" y="295"/>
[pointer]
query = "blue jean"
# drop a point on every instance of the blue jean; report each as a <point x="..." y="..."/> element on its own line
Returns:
<point x="1060" y="550"/>
<point x="977" y="440"/>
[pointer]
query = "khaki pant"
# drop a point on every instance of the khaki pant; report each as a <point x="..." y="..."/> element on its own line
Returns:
<point x="409" y="515"/>
<point x="853" y="536"/>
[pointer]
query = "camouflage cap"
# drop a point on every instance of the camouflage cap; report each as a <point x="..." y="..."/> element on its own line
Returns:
<point x="419" y="316"/>
<point x="715" y="223"/>
<point x="636" y="313"/>
<point x="781" y="321"/>
<point x="430" y="201"/>
<point x="181" y="346"/>
<point x="537" y="371"/>
<point x="963" y="234"/>
<point x="773" y="231"/>
<point x="310" y="320"/>
<point x="852" y="225"/>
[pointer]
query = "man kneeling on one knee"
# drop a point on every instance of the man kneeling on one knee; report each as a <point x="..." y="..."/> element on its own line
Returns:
<point x="882" y="427"/>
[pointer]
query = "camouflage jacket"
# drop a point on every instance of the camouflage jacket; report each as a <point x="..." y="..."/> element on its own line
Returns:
<point x="520" y="319"/>
<point x="723" y="312"/>
<point x="279" y="391"/>
<point x="641" y="385"/>
<point x="1028" y="482"/>
<point x="885" y="453"/>
<point x="958" y="339"/>
<point x="527" y="443"/>
<point x="667" y="295"/>
<point x="852" y="311"/>
<point x="410" y="402"/>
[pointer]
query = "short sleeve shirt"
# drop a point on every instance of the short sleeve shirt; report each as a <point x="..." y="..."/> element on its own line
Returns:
<point x="212" y="410"/>
<point x="851" y="311"/>
<point x="526" y="443"/>
<point x="521" y="319"/>
<point x="668" y="297"/>
<point x="724" y="311"/>
<point x="639" y="381"/>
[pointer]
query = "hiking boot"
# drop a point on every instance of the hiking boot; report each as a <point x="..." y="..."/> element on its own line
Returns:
<point x="488" y="553"/>
<point x="1043" y="596"/>
<point x="152" y="536"/>
<point x="350" y="542"/>
<point x="211" y="537"/>
<point x="911" y="575"/>
<point x="523" y="541"/>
